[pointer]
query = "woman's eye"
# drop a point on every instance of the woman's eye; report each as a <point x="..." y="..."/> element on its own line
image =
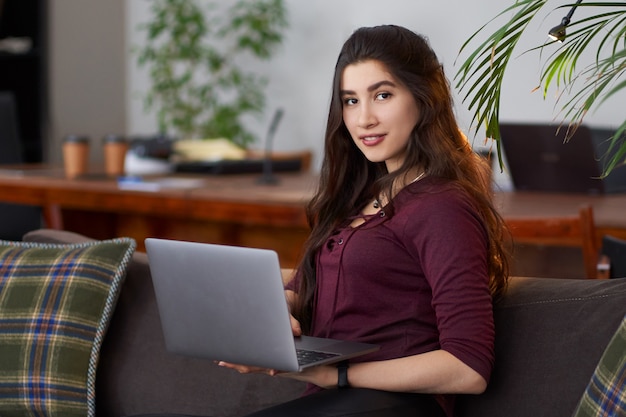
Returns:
<point x="383" y="96"/>
<point x="349" y="101"/>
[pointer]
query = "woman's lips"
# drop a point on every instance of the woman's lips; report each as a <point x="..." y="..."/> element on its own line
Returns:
<point x="372" y="140"/>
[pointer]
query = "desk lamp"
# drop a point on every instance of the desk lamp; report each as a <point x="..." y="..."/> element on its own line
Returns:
<point x="557" y="33"/>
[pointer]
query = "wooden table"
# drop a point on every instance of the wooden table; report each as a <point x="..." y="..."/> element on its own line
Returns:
<point x="231" y="209"/>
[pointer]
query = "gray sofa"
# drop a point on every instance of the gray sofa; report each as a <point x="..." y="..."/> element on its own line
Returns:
<point x="550" y="336"/>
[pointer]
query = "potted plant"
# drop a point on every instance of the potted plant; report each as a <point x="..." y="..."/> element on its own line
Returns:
<point x="603" y="31"/>
<point x="198" y="54"/>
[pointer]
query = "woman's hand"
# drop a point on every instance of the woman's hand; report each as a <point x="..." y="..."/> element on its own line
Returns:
<point x="245" y="369"/>
<point x="295" y="326"/>
<point x="291" y="297"/>
<point x="323" y="376"/>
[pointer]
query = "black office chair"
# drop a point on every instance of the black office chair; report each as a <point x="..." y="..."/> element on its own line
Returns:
<point x="15" y="220"/>
<point x="612" y="262"/>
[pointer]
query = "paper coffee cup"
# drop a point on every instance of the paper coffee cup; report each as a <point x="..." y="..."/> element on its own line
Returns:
<point x="75" y="155"/>
<point x="115" y="148"/>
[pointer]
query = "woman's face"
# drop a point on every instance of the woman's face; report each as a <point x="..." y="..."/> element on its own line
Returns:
<point x="379" y="112"/>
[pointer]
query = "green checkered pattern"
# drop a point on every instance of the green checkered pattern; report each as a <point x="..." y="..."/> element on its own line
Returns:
<point x="56" y="301"/>
<point x="605" y="395"/>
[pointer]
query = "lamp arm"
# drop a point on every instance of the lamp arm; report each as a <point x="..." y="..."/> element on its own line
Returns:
<point x="571" y="13"/>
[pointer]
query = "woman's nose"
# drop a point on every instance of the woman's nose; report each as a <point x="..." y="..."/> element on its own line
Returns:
<point x="367" y="117"/>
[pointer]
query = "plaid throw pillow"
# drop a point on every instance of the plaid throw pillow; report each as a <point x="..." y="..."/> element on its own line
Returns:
<point x="56" y="301"/>
<point x="606" y="393"/>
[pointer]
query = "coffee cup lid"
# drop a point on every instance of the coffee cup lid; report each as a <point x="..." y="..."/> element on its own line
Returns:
<point x="76" y="139"/>
<point x="113" y="138"/>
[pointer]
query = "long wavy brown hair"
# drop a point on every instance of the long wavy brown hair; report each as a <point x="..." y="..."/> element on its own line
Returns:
<point x="348" y="180"/>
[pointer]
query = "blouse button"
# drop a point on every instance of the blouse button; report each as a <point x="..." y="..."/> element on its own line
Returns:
<point x="340" y="241"/>
<point x="382" y="214"/>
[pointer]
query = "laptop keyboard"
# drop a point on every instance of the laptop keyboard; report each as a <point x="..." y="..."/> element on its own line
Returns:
<point x="308" y="356"/>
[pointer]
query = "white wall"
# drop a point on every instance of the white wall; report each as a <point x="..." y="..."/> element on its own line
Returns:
<point x="301" y="72"/>
<point x="86" y="72"/>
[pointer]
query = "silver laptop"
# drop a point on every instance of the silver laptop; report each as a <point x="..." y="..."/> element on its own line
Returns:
<point x="227" y="303"/>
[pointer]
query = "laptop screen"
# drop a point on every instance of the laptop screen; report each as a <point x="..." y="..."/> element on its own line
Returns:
<point x="539" y="159"/>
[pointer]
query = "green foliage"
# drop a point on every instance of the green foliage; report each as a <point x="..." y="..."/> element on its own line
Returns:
<point x="194" y="56"/>
<point x="481" y="73"/>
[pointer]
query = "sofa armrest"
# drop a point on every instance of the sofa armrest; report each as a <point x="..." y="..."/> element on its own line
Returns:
<point x="550" y="335"/>
<point x="55" y="236"/>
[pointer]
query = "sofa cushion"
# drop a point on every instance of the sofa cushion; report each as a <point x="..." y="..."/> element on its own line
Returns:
<point x="605" y="395"/>
<point x="56" y="301"/>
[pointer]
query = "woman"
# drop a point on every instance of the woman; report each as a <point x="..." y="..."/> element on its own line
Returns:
<point x="406" y="247"/>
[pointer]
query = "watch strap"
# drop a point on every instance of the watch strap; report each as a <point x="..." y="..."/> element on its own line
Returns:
<point x="342" y="375"/>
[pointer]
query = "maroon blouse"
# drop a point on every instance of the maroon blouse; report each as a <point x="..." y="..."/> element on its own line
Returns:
<point x="412" y="282"/>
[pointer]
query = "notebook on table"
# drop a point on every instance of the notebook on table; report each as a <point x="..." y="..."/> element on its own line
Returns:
<point x="227" y="303"/>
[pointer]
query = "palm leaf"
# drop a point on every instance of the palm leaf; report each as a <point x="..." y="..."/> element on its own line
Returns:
<point x="483" y="79"/>
<point x="481" y="73"/>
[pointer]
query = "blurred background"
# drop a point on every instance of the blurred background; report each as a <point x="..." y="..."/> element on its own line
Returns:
<point x="95" y="86"/>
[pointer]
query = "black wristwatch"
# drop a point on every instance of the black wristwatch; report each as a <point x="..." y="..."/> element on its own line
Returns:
<point x="342" y="375"/>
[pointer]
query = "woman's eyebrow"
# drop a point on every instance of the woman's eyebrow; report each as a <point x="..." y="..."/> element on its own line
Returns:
<point x="371" y="88"/>
<point x="379" y="84"/>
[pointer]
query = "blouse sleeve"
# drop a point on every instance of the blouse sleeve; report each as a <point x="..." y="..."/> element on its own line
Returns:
<point x="452" y="246"/>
